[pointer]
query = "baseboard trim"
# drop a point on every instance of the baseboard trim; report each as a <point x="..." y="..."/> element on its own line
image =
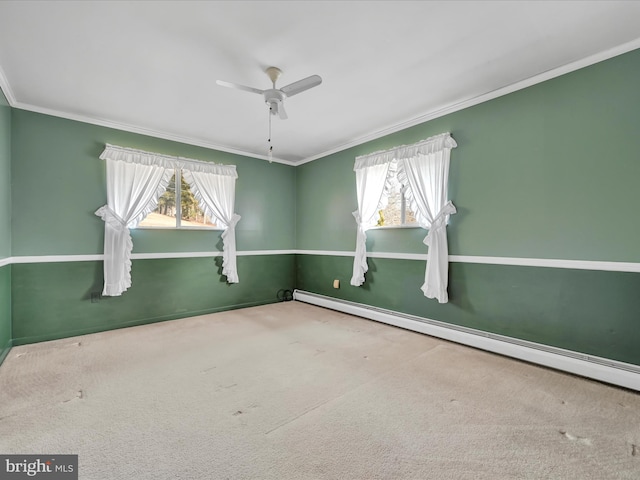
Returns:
<point x="597" y="368"/>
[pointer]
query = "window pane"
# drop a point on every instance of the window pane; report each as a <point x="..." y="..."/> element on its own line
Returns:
<point x="165" y="214"/>
<point x="392" y="215"/>
<point x="192" y="214"/>
<point x="409" y="215"/>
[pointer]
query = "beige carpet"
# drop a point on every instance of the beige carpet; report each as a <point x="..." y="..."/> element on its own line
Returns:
<point x="293" y="391"/>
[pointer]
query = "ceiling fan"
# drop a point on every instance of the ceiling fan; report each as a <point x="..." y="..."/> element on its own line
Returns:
<point x="275" y="97"/>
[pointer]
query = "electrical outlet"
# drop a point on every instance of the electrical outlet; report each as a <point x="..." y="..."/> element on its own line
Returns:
<point x="336" y="283"/>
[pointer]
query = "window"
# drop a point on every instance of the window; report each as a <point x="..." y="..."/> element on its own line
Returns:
<point x="397" y="213"/>
<point x="183" y="214"/>
<point x="424" y="170"/>
<point x="134" y="181"/>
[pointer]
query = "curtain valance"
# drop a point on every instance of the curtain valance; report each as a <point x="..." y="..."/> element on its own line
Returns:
<point x="373" y="159"/>
<point x="424" y="147"/>
<point x="131" y="155"/>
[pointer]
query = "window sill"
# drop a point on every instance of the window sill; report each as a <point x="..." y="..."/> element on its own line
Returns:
<point x="207" y="229"/>
<point x="393" y="227"/>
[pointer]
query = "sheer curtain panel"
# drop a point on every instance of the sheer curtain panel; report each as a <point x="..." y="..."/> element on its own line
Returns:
<point x="423" y="169"/>
<point x="133" y="190"/>
<point x="215" y="192"/>
<point x="372" y="189"/>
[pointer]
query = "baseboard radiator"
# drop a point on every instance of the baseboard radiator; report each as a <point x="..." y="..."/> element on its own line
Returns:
<point x="597" y="368"/>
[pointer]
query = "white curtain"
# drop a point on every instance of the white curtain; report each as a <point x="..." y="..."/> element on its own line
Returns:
<point x="423" y="169"/>
<point x="135" y="181"/>
<point x="372" y="187"/>
<point x="215" y="192"/>
<point x="133" y="190"/>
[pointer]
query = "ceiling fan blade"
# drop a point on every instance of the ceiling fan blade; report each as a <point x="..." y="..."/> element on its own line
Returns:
<point x="239" y="87"/>
<point x="301" y="85"/>
<point x="282" y="112"/>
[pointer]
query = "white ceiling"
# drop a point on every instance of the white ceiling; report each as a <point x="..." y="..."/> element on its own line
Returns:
<point x="151" y="66"/>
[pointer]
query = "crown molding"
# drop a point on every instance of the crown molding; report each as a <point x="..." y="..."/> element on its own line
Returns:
<point x="528" y="82"/>
<point x="6" y="88"/>
<point x="427" y="116"/>
<point x="139" y="130"/>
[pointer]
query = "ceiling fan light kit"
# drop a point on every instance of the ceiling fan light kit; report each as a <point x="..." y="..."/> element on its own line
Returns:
<point x="274" y="97"/>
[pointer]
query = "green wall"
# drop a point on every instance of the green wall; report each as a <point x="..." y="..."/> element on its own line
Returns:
<point x="5" y="225"/>
<point x="56" y="161"/>
<point x="550" y="171"/>
<point x="53" y="300"/>
<point x="592" y="312"/>
<point x="58" y="184"/>
<point x="5" y="311"/>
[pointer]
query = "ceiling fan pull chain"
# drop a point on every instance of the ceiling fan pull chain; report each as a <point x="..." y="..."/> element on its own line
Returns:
<point x="270" y="153"/>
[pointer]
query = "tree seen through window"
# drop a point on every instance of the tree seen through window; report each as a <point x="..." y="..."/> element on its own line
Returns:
<point x="397" y="213"/>
<point x="183" y="214"/>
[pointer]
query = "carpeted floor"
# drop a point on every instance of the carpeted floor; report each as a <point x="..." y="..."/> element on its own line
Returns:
<point x="293" y="391"/>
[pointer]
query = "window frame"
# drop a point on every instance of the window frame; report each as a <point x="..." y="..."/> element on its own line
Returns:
<point x="178" y="194"/>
